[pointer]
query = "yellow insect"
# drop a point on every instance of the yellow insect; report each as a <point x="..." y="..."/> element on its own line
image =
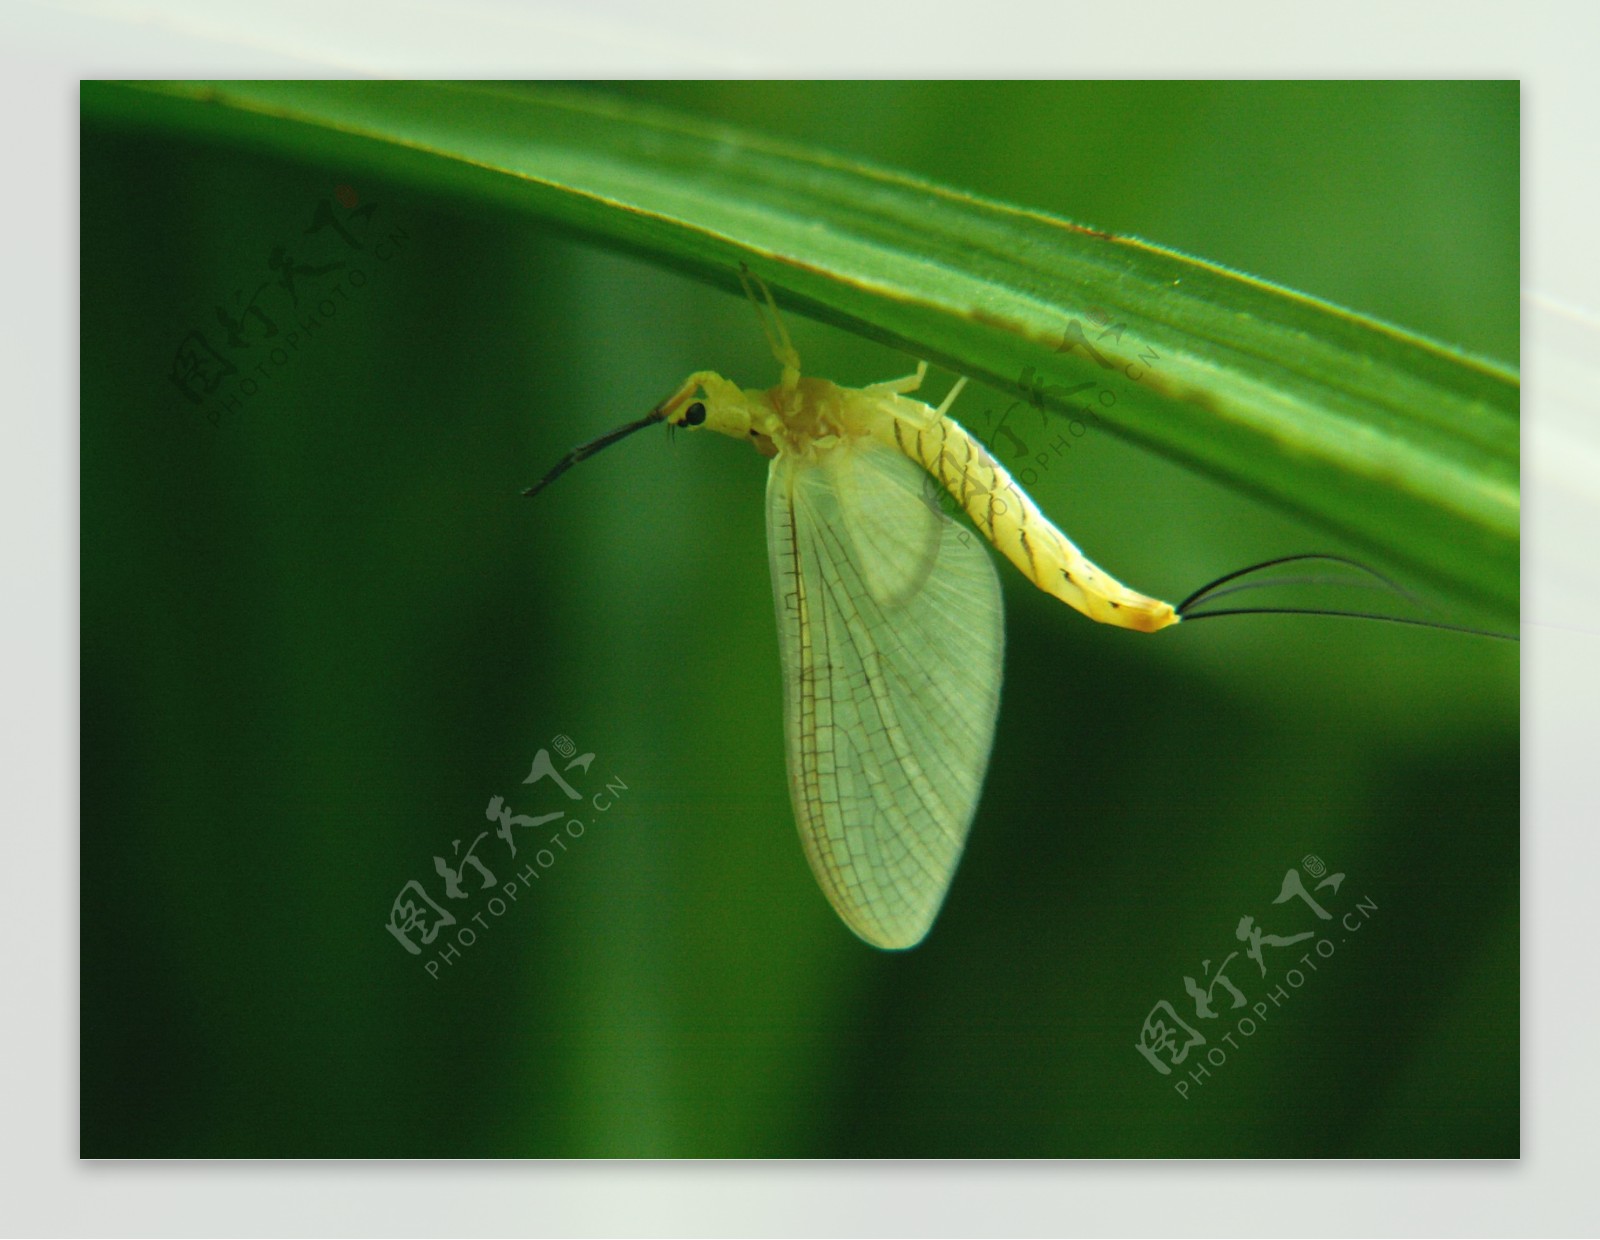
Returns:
<point x="889" y="617"/>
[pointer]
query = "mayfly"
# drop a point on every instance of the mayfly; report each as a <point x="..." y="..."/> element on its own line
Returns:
<point x="889" y="616"/>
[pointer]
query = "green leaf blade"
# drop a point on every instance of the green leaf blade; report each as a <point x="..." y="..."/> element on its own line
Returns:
<point x="1397" y="442"/>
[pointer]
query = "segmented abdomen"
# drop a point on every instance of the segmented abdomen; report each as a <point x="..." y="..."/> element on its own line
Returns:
<point x="1010" y="520"/>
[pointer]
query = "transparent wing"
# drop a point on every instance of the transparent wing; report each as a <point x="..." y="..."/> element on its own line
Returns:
<point x="889" y="696"/>
<point x="889" y="516"/>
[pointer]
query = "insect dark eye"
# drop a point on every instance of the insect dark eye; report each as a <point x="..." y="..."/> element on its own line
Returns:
<point x="694" y="414"/>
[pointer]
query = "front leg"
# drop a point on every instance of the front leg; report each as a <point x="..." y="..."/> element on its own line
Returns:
<point x="902" y="387"/>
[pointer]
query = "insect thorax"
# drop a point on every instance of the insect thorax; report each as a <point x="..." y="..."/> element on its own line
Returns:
<point x="814" y="415"/>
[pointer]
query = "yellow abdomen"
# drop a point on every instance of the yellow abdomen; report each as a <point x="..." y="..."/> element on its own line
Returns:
<point x="1011" y="521"/>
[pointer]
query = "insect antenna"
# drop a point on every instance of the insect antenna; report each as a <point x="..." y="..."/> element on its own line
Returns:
<point x="584" y="451"/>
<point x="1212" y="591"/>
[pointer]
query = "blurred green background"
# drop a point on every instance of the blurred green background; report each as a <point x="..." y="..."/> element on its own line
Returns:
<point x="321" y="633"/>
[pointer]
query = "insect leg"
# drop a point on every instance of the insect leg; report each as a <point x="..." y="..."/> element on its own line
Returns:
<point x="771" y="325"/>
<point x="950" y="396"/>
<point x="902" y="387"/>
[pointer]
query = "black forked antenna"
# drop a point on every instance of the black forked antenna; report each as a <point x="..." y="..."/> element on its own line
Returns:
<point x="1211" y="592"/>
<point x="1199" y="597"/>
